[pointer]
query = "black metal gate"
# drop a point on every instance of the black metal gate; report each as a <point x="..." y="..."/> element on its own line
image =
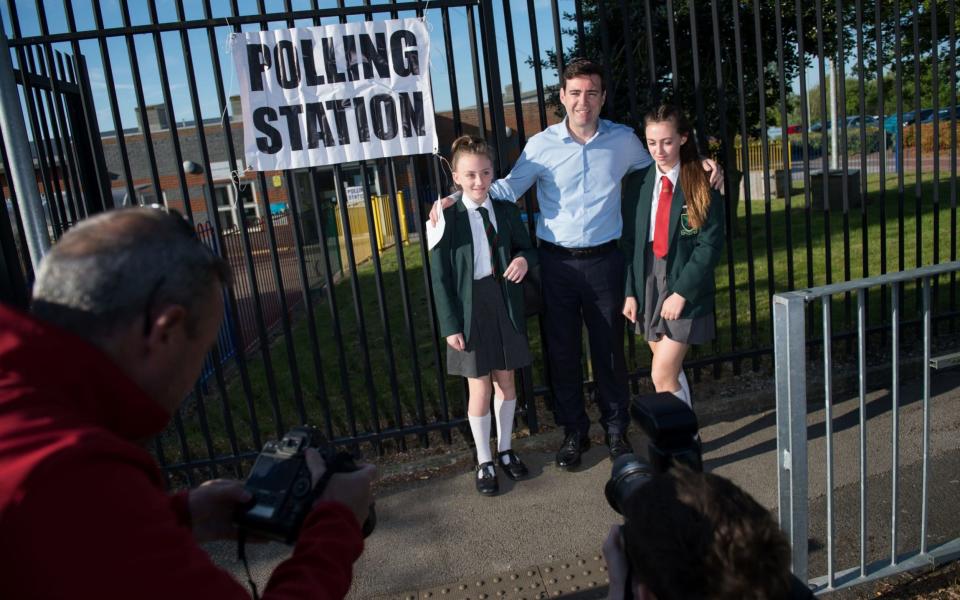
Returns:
<point x="330" y="319"/>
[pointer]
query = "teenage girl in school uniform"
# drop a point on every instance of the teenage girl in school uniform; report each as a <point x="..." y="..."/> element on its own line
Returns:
<point x="673" y="235"/>
<point x="477" y="268"/>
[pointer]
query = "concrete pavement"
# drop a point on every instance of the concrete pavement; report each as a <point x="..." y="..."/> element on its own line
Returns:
<point x="438" y="533"/>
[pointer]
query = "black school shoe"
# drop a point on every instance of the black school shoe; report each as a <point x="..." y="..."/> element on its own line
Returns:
<point x="568" y="456"/>
<point x="487" y="479"/>
<point x="515" y="469"/>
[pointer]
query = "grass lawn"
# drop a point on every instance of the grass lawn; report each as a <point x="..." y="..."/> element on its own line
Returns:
<point x="410" y="387"/>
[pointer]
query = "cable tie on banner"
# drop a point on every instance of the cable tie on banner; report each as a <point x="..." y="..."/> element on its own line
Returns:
<point x="235" y="178"/>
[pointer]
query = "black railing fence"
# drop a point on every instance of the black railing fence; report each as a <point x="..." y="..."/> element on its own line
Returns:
<point x="836" y="123"/>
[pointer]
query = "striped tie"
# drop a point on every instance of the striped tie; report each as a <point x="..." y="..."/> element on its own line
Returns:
<point x="491" y="239"/>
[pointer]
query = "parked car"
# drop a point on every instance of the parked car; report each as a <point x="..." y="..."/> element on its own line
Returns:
<point x="943" y="115"/>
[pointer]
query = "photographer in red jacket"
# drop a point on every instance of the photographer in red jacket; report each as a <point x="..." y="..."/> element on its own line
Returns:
<point x="125" y="308"/>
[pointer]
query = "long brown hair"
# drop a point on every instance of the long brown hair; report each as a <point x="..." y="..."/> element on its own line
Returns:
<point x="693" y="179"/>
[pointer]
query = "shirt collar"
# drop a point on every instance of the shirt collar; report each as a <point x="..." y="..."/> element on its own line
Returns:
<point x="473" y="206"/>
<point x="565" y="132"/>
<point x="673" y="173"/>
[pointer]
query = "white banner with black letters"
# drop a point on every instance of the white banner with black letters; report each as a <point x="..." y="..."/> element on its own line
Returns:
<point x="318" y="96"/>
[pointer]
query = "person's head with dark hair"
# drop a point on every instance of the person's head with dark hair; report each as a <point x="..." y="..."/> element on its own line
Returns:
<point x="582" y="93"/>
<point x="697" y="535"/>
<point x="583" y="67"/>
<point x="670" y="140"/>
<point x="140" y="286"/>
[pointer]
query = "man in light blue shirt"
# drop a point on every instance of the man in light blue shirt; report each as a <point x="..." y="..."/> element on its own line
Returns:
<point x="578" y="165"/>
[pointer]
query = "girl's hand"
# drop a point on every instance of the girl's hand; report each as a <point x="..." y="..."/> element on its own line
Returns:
<point x="630" y="308"/>
<point x="715" y="173"/>
<point x="456" y="342"/>
<point x="516" y="270"/>
<point x="673" y="306"/>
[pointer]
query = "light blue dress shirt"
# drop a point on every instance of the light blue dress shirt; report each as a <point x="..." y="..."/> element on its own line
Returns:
<point x="578" y="185"/>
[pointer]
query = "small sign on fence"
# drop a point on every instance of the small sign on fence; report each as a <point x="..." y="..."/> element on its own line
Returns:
<point x="316" y="96"/>
<point x="355" y="196"/>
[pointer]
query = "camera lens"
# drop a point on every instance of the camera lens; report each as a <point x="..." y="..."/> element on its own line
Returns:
<point x="627" y="475"/>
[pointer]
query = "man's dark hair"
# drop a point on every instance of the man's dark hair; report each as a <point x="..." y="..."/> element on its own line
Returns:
<point x="583" y="67"/>
<point x="697" y="535"/>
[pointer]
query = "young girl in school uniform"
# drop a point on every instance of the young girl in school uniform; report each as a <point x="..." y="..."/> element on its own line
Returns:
<point x="477" y="267"/>
<point x="673" y="235"/>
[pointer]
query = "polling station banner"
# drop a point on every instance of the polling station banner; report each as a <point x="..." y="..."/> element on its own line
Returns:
<point x="316" y="96"/>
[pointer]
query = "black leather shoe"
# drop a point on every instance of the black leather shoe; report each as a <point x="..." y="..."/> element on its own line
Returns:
<point x="618" y="445"/>
<point x="568" y="456"/>
<point x="515" y="469"/>
<point x="487" y="479"/>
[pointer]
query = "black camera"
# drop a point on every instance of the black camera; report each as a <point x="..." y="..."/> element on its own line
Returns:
<point x="282" y="489"/>
<point x="670" y="428"/>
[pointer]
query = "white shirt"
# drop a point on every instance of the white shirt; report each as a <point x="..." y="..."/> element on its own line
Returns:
<point x="481" y="247"/>
<point x="673" y="175"/>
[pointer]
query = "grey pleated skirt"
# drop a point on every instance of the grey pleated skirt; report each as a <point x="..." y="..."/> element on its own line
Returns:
<point x="652" y="326"/>
<point x="494" y="343"/>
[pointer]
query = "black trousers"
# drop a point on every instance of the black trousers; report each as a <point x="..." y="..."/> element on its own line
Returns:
<point x="577" y="291"/>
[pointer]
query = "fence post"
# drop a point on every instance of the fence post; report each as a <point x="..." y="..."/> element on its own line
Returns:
<point x="23" y="177"/>
<point x="789" y="345"/>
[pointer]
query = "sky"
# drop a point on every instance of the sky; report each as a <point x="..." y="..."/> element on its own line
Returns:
<point x="146" y="50"/>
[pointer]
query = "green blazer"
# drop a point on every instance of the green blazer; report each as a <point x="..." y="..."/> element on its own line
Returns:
<point x="692" y="254"/>
<point x="451" y="266"/>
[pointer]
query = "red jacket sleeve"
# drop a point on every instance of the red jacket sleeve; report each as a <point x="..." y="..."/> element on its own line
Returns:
<point x="100" y="527"/>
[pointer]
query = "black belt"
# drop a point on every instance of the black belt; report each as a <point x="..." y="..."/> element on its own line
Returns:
<point x="578" y="252"/>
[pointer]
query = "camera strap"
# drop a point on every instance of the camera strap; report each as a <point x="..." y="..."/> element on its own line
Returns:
<point x="242" y="555"/>
<point x="332" y="469"/>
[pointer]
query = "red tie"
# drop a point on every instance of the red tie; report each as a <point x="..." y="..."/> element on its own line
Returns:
<point x="662" y="228"/>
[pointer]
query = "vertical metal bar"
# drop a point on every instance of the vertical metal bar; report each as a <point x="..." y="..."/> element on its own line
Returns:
<point x="132" y="56"/>
<point x="581" y="34"/>
<point x="114" y="106"/>
<point x="799" y="10"/>
<point x="785" y="148"/>
<point x="826" y="149"/>
<point x="281" y="295"/>
<point x="882" y="192"/>
<point x="918" y="106"/>
<point x="357" y="302"/>
<point x="171" y="114"/>
<point x="514" y="76"/>
<point x="697" y="88"/>
<point x="952" y="45"/>
<point x="451" y="73"/>
<point x="927" y="332"/>
<point x="488" y="37"/>
<point x="862" y="374"/>
<point x="247" y="254"/>
<point x="935" y="84"/>
<point x="764" y="149"/>
<point x="611" y="84"/>
<point x="828" y="422"/>
<point x="746" y="169"/>
<point x="894" y="415"/>
<point x="43" y="138"/>
<point x="537" y="64"/>
<point x="382" y="296"/>
<point x="474" y="60"/>
<point x="93" y="140"/>
<point x="672" y="36"/>
<point x="862" y="105"/>
<point x="557" y="39"/>
<point x="442" y="390"/>
<point x="629" y="51"/>
<point x="414" y="357"/>
<point x="727" y="156"/>
<point x="898" y="85"/>
<point x="789" y="342"/>
<point x="841" y="130"/>
<point x="17" y="152"/>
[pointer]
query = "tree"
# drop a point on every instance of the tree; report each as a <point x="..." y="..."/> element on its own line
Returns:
<point x="617" y="32"/>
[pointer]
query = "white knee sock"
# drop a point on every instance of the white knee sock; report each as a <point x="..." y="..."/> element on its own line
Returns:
<point x="505" y="410"/>
<point x="480" y="427"/>
<point x="685" y="388"/>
